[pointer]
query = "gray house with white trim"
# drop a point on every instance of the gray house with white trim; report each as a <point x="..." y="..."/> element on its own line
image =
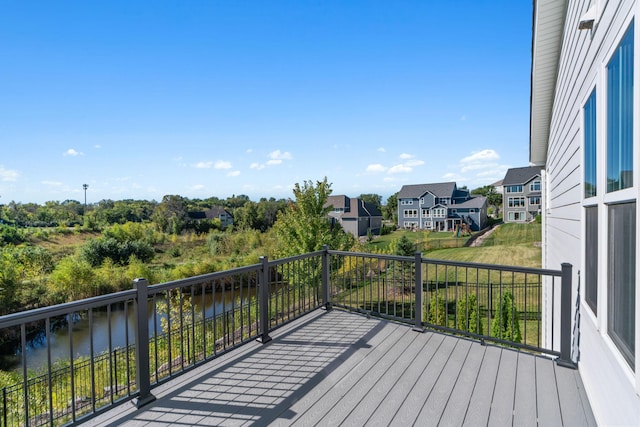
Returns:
<point x="521" y="194"/>
<point x="440" y="207"/>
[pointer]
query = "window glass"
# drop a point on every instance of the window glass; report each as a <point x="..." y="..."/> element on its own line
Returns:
<point x="620" y="115"/>
<point x="622" y="278"/>
<point x="590" y="146"/>
<point x="591" y="258"/>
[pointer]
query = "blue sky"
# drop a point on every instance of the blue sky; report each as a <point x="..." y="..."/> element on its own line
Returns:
<point x="140" y="99"/>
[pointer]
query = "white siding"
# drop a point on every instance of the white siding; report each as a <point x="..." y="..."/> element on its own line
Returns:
<point x="611" y="386"/>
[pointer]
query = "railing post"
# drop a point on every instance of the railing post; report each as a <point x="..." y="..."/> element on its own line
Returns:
<point x="264" y="301"/>
<point x="142" y="344"/>
<point x="418" y="287"/>
<point x="565" y="316"/>
<point x="326" y="296"/>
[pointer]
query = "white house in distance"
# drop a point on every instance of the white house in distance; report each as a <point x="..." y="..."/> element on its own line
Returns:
<point x="585" y="134"/>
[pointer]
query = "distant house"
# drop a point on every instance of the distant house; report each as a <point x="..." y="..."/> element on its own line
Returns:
<point x="497" y="186"/>
<point x="521" y="197"/>
<point x="440" y="207"/>
<point x="355" y="215"/>
<point x="226" y="219"/>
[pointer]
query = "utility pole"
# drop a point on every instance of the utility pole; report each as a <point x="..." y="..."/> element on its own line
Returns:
<point x="85" y="186"/>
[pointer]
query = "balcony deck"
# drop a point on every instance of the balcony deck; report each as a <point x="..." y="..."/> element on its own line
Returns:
<point x="341" y="368"/>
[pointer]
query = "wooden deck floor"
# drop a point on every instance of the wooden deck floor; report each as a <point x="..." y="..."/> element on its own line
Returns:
<point x="338" y="368"/>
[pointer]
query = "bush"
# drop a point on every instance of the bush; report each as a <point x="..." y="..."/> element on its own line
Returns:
<point x="95" y="251"/>
<point x="506" y="323"/>
<point x="437" y="310"/>
<point x="467" y="318"/>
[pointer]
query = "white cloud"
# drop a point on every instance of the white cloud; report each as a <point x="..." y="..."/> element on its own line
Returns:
<point x="221" y="164"/>
<point x="481" y="156"/>
<point x="414" y="163"/>
<point x="382" y="150"/>
<point x="274" y="162"/>
<point x="377" y="167"/>
<point x="405" y="156"/>
<point x="402" y="168"/>
<point x="256" y="166"/>
<point x="249" y="150"/>
<point x="203" y="165"/>
<point x="234" y="173"/>
<point x="280" y="155"/>
<point x="97" y="146"/>
<point x="8" y="174"/>
<point x="51" y="183"/>
<point x="72" y="152"/>
<point x="198" y="187"/>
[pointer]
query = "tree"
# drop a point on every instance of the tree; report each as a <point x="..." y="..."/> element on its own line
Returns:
<point x="506" y="323"/>
<point x="467" y="317"/>
<point x="437" y="309"/>
<point x="405" y="247"/>
<point x="494" y="198"/>
<point x="304" y="225"/>
<point x="374" y="199"/>
<point x="390" y="211"/>
<point x="171" y="215"/>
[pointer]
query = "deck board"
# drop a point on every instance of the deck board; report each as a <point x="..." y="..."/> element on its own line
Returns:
<point x="342" y="368"/>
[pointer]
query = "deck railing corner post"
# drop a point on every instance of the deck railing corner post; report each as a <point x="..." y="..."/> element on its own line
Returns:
<point x="326" y="295"/>
<point x="418" y="291"/>
<point x="565" y="316"/>
<point x="143" y="377"/>
<point x="264" y="301"/>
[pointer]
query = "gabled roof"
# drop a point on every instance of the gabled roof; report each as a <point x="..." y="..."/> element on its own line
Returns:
<point x="518" y="176"/>
<point x="415" y="191"/>
<point x="338" y="202"/>
<point x="477" y="202"/>
<point x="360" y="208"/>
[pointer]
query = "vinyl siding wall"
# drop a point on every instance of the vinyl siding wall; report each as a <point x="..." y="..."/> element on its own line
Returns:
<point x="610" y="384"/>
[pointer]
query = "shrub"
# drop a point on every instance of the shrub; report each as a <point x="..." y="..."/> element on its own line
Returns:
<point x="437" y="310"/>
<point x="506" y="323"/>
<point x="467" y="318"/>
<point x="95" y="251"/>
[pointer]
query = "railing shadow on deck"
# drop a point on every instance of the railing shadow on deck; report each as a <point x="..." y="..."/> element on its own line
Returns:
<point x="174" y="327"/>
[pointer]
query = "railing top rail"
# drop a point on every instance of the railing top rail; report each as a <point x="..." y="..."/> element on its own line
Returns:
<point x="273" y="263"/>
<point x="481" y="266"/>
<point x="202" y="278"/>
<point x="37" y="314"/>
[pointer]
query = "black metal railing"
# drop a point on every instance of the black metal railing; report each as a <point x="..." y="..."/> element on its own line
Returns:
<point x="132" y="341"/>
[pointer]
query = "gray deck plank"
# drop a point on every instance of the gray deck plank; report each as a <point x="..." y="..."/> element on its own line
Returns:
<point x="480" y="403"/>
<point x="367" y="380"/>
<point x="525" y="403"/>
<point x="456" y="407"/>
<point x="441" y="393"/>
<point x="339" y="367"/>
<point x="410" y="408"/>
<point x="503" y="395"/>
<point x="548" y="402"/>
<point x="571" y="408"/>
<point x="321" y="404"/>
<point x="396" y="396"/>
<point x="388" y="381"/>
<point x="588" y="412"/>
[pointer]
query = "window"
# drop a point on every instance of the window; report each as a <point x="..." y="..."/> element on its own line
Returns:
<point x="515" y="202"/>
<point x="514" y="189"/>
<point x="591" y="258"/>
<point x="410" y="224"/>
<point x="534" y="200"/>
<point x="411" y="213"/>
<point x="622" y="278"/>
<point x="535" y="186"/>
<point x="516" y="216"/>
<point x="406" y="202"/>
<point x="620" y="115"/>
<point x="439" y="213"/>
<point x="590" y="146"/>
<point x="472" y="211"/>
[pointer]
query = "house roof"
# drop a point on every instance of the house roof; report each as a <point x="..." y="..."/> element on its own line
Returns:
<point x="477" y="202"/>
<point x="548" y="25"/>
<point x="353" y="208"/>
<point x="415" y="191"/>
<point x="516" y="176"/>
